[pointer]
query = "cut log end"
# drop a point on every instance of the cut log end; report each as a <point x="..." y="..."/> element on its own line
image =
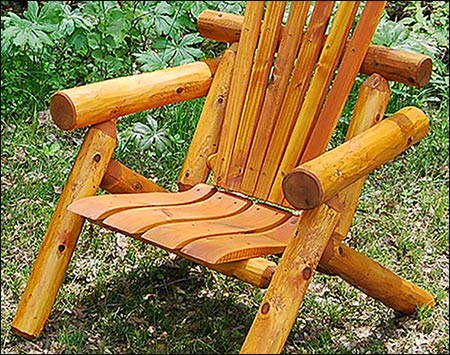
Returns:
<point x="23" y="334"/>
<point x="424" y="69"/>
<point x="302" y="189"/>
<point x="63" y="111"/>
<point x="377" y="82"/>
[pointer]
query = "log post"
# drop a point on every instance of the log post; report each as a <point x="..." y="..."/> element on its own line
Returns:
<point x="279" y="308"/>
<point x="321" y="178"/>
<point x="62" y="234"/>
<point x="397" y="65"/>
<point x="373" y="279"/>
<point x="372" y="101"/>
<point x="120" y="179"/>
<point x="206" y="138"/>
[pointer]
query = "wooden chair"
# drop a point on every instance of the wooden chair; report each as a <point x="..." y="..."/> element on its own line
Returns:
<point x="273" y="101"/>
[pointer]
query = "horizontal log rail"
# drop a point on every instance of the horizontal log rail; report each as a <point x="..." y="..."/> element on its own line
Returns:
<point x="402" y="66"/>
<point x="109" y="99"/>
<point x="321" y="178"/>
<point x="119" y="179"/>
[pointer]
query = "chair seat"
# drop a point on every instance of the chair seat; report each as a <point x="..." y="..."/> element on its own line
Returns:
<point x="202" y="223"/>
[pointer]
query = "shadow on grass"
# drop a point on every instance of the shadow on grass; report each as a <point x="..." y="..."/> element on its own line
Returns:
<point x="183" y="308"/>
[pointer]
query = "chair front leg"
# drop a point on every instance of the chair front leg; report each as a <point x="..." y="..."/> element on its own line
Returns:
<point x="62" y="234"/>
<point x="279" y="308"/>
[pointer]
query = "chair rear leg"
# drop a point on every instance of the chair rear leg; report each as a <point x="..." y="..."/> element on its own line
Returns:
<point x="62" y="234"/>
<point x="373" y="279"/>
<point x="279" y="308"/>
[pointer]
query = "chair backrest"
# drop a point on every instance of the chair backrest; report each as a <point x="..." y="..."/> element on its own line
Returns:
<point x="289" y="86"/>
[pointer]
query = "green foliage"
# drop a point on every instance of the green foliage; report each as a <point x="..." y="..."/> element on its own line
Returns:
<point x="426" y="34"/>
<point x="56" y="46"/>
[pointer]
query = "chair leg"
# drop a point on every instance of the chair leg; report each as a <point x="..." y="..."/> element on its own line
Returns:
<point x="62" y="234"/>
<point x="283" y="298"/>
<point x="373" y="279"/>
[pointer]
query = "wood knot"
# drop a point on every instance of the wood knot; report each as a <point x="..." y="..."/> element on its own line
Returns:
<point x="306" y="273"/>
<point x="179" y="90"/>
<point x="61" y="248"/>
<point x="265" y="308"/>
<point x="97" y="157"/>
<point x="138" y="186"/>
<point x="341" y="251"/>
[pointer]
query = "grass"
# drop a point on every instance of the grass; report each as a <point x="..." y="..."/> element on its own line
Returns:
<point x="121" y="296"/>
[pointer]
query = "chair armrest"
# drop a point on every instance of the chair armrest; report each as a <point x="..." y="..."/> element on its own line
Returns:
<point x="316" y="181"/>
<point x="109" y="99"/>
<point x="402" y="66"/>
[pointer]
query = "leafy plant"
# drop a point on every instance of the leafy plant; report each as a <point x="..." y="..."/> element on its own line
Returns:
<point x="53" y="45"/>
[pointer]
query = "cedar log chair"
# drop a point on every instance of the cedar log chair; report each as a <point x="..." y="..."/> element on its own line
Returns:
<point x="273" y="100"/>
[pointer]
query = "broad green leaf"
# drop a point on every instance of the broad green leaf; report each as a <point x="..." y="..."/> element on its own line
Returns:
<point x="51" y="12"/>
<point x="93" y="40"/>
<point x="78" y="40"/>
<point x="97" y="54"/>
<point x="21" y="38"/>
<point x="191" y="38"/>
<point x="163" y="24"/>
<point x="150" y="61"/>
<point x="67" y="26"/>
<point x="164" y="8"/>
<point x="31" y="13"/>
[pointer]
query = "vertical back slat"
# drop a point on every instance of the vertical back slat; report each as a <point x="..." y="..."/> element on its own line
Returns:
<point x="288" y="48"/>
<point x="287" y="93"/>
<point x="348" y="70"/>
<point x="255" y="97"/>
<point x="316" y="93"/>
<point x="239" y="84"/>
<point x="306" y="60"/>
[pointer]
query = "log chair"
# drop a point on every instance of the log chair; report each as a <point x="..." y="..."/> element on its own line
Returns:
<point x="273" y="100"/>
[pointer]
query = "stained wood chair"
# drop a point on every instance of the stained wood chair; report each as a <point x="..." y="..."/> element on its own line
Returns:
<point x="272" y="103"/>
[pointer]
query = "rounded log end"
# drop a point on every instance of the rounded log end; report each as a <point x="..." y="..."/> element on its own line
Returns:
<point x="23" y="334"/>
<point x="377" y="82"/>
<point x="63" y="111"/>
<point x="302" y="189"/>
<point x="414" y="117"/>
<point x="424" y="69"/>
<point x="220" y="26"/>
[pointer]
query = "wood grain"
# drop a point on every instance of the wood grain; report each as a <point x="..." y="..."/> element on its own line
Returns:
<point x="279" y="308"/>
<point x="120" y="179"/>
<point x="205" y="141"/>
<point x="175" y="236"/>
<point x="316" y="181"/>
<point x="97" y="208"/>
<point x="393" y="64"/>
<point x="109" y="99"/>
<point x="138" y="220"/>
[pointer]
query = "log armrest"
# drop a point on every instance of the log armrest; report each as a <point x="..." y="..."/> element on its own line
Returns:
<point x="109" y="99"/>
<point x="316" y="181"/>
<point x="402" y="66"/>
